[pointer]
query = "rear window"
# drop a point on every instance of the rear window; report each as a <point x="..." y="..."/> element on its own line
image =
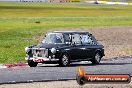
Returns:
<point x="86" y="39"/>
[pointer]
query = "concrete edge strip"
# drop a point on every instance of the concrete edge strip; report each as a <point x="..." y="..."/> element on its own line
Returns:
<point x="46" y="80"/>
<point x="2" y="66"/>
<point x="31" y="81"/>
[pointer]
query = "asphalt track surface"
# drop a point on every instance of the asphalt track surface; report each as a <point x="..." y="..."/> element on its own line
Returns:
<point x="54" y="72"/>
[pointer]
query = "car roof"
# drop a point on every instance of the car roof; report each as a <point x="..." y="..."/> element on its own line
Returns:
<point x="70" y="32"/>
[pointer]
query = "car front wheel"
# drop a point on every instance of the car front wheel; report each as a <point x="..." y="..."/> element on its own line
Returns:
<point x="64" y="61"/>
<point x="31" y="63"/>
<point x="96" y="59"/>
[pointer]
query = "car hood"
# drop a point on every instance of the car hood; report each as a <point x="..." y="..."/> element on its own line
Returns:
<point x="49" y="46"/>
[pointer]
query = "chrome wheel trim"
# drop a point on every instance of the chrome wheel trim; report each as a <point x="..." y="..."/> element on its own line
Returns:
<point x="65" y="60"/>
<point x="97" y="57"/>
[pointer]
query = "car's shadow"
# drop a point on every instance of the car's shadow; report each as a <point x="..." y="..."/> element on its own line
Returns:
<point x="85" y="64"/>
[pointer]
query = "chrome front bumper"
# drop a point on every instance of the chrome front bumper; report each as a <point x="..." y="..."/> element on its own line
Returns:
<point x="40" y="59"/>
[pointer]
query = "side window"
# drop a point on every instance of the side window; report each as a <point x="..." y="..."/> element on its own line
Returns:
<point x="67" y="38"/>
<point x="86" y="39"/>
<point x="76" y="39"/>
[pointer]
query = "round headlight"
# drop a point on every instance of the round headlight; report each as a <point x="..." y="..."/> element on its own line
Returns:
<point x="26" y="49"/>
<point x="53" y="50"/>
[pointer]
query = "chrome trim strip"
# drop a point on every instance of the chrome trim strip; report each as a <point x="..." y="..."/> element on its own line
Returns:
<point x="45" y="59"/>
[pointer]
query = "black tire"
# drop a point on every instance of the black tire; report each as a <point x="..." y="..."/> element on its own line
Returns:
<point x="96" y="59"/>
<point x="31" y="63"/>
<point x="64" y="60"/>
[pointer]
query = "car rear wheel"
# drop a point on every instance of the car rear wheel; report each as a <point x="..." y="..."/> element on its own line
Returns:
<point x="64" y="61"/>
<point x="31" y="63"/>
<point x="96" y="59"/>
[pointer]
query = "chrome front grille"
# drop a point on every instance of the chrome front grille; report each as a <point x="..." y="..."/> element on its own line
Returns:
<point x="40" y="52"/>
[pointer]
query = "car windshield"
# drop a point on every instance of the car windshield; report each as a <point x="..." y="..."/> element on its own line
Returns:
<point x="53" y="38"/>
